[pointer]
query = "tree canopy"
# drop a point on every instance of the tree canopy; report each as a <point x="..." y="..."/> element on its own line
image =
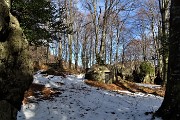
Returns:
<point x="35" y="17"/>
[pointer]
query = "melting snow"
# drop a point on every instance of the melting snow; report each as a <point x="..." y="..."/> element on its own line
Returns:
<point x="79" y="101"/>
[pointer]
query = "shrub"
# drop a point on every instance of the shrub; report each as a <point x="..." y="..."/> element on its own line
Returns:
<point x="146" y="68"/>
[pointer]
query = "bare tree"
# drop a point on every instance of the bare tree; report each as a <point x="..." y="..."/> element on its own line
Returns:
<point x="91" y="5"/>
<point x="70" y="37"/>
<point x="78" y="24"/>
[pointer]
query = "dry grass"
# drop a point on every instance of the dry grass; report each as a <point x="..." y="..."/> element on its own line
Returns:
<point x="103" y="85"/>
<point x="40" y="92"/>
<point x="126" y="85"/>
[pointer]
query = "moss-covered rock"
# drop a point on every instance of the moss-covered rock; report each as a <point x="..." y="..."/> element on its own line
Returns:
<point x="99" y="73"/>
<point x="16" y="69"/>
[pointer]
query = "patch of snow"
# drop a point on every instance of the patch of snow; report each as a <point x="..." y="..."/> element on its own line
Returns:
<point x="149" y="85"/>
<point x="79" y="101"/>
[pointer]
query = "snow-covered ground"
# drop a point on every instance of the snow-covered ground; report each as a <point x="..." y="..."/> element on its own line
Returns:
<point x="148" y="85"/>
<point x="79" y="101"/>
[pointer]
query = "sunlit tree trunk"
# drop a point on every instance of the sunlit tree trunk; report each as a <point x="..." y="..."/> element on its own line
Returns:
<point x="60" y="60"/>
<point x="65" y="41"/>
<point x="84" y="49"/>
<point x="170" y="108"/>
<point x="107" y="12"/>
<point x="164" y="9"/>
<point x="91" y="51"/>
<point x="70" y="37"/>
<point x="96" y="26"/>
<point x="111" y="45"/>
<point x="123" y="51"/>
<point x="144" y="41"/>
<point x="70" y="50"/>
<point x="93" y="55"/>
<point x="102" y="43"/>
<point x="118" y="42"/>
<point x="77" y="50"/>
<point x="66" y="48"/>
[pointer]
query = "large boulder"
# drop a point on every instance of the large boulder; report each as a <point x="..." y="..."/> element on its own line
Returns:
<point x="99" y="73"/>
<point x="16" y="71"/>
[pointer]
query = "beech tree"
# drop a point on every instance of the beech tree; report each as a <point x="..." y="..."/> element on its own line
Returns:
<point x="164" y="10"/>
<point x="170" y="108"/>
<point x="78" y="28"/>
<point x="91" y="5"/>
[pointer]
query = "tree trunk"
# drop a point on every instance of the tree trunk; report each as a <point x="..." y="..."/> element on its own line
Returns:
<point x="123" y="53"/>
<point x="102" y="45"/>
<point x="66" y="48"/>
<point x="164" y="9"/>
<point x="118" y="43"/>
<point x="90" y="51"/>
<point x="77" y="50"/>
<point x="96" y="26"/>
<point x="60" y="43"/>
<point x="170" y="108"/>
<point x="111" y="46"/>
<point x="84" y="47"/>
<point x="60" y="59"/>
<point x="70" y="50"/>
<point x="104" y="29"/>
<point x="87" y="58"/>
<point x="93" y="56"/>
<point x="70" y="37"/>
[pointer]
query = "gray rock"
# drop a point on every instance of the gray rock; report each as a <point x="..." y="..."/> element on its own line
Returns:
<point x="99" y="73"/>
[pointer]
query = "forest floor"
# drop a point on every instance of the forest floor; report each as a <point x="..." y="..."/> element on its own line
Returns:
<point x="42" y="92"/>
<point x="71" y="97"/>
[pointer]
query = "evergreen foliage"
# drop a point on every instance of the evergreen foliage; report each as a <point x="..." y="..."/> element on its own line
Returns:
<point x="35" y="17"/>
<point x="40" y="20"/>
<point x="59" y="23"/>
<point x="146" y="68"/>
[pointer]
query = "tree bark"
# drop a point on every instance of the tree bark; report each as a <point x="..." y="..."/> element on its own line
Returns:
<point x="70" y="37"/>
<point x="70" y="50"/>
<point x="84" y="53"/>
<point x="96" y="26"/>
<point x="170" y="108"/>
<point x="77" y="50"/>
<point x="164" y="9"/>
<point x="107" y="12"/>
